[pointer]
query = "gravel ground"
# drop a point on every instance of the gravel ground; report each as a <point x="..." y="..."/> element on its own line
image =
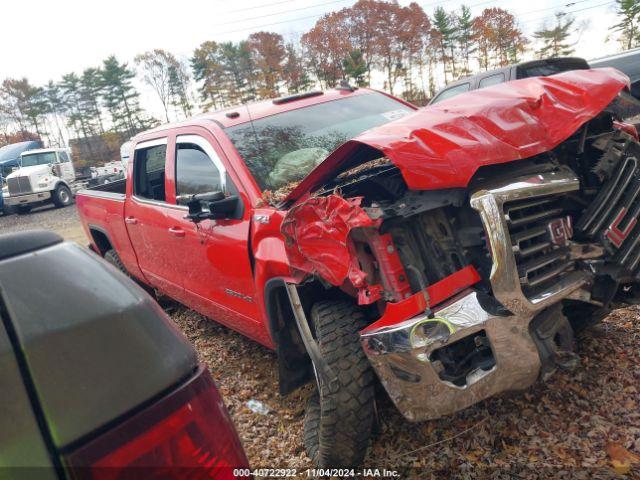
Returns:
<point x="64" y="221"/>
<point x="569" y="427"/>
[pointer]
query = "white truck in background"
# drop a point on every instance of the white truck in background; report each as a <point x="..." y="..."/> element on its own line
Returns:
<point x="45" y="175"/>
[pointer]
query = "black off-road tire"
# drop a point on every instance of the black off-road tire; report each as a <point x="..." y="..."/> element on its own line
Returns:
<point x="113" y="258"/>
<point x="339" y="417"/>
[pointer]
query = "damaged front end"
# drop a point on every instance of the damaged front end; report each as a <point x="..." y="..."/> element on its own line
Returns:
<point x="476" y="288"/>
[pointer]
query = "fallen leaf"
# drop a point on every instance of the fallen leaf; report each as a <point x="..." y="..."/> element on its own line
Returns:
<point x="621" y="458"/>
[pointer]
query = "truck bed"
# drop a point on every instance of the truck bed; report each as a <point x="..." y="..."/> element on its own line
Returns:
<point x="102" y="211"/>
<point x="115" y="190"/>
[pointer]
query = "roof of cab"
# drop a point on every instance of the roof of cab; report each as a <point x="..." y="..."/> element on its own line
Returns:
<point x="236" y="115"/>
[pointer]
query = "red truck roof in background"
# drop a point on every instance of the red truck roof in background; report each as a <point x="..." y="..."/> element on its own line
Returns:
<point x="443" y="145"/>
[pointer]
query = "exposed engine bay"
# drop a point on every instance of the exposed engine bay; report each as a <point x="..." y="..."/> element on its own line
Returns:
<point x="547" y="242"/>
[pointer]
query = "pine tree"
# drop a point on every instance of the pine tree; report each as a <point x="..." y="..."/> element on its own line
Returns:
<point x="555" y="39"/>
<point x="90" y="92"/>
<point x="445" y="35"/>
<point x="629" y="28"/>
<point x="465" y="38"/>
<point x="355" y="67"/>
<point x="56" y="108"/>
<point x="121" y="99"/>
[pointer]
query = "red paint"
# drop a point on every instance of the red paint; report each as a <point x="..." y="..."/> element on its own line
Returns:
<point x="185" y="434"/>
<point x="443" y="145"/>
<point x="221" y="268"/>
<point x="417" y="303"/>
<point x="617" y="236"/>
<point x="392" y="271"/>
<point x="317" y="238"/>
<point x="628" y="128"/>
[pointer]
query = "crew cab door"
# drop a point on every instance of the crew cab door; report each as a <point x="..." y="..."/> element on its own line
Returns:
<point x="145" y="217"/>
<point x="213" y="256"/>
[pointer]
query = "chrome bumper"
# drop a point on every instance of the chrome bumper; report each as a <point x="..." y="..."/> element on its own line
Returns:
<point x="411" y="379"/>
<point x="405" y="363"/>
<point x="26" y="199"/>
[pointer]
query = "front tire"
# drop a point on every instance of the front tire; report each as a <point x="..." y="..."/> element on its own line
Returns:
<point x="113" y="258"/>
<point x="62" y="196"/>
<point x="339" y="417"/>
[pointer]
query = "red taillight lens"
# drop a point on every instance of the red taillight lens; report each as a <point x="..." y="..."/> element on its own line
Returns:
<point x="187" y="434"/>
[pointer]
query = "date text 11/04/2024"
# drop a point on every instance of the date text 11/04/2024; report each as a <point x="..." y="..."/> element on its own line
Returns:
<point x="317" y="473"/>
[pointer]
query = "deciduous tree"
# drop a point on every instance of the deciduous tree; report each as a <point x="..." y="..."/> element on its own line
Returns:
<point x="155" y="66"/>
<point x="207" y="69"/>
<point x="499" y="40"/>
<point x="326" y="45"/>
<point x="294" y="71"/>
<point x="179" y="91"/>
<point x="269" y="55"/>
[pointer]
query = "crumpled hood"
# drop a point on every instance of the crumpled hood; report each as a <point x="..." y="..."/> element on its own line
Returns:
<point x="443" y="145"/>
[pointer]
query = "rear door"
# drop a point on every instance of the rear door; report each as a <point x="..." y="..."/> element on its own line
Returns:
<point x="213" y="256"/>
<point x="146" y="218"/>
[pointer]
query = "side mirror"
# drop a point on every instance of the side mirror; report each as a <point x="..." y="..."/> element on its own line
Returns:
<point x="212" y="205"/>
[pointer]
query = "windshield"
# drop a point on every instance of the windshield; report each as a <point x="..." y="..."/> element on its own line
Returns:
<point x="44" y="158"/>
<point x="285" y="147"/>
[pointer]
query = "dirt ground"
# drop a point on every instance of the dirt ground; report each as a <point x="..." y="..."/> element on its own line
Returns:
<point x="64" y="221"/>
<point x="569" y="427"/>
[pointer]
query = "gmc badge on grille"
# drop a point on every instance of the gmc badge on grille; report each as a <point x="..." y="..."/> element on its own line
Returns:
<point x="561" y="230"/>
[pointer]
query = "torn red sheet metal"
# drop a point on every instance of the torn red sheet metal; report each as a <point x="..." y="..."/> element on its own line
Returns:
<point x="317" y="238"/>
<point x="438" y="293"/>
<point x="443" y="145"/>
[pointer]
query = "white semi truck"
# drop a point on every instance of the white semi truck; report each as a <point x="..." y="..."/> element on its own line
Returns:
<point x="45" y="176"/>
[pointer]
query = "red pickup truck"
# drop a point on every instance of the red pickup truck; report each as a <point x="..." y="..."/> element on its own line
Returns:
<point x="452" y="251"/>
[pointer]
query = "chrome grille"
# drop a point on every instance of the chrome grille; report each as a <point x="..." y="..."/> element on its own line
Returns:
<point x="19" y="185"/>
<point x="613" y="217"/>
<point x="528" y="234"/>
<point x="541" y="256"/>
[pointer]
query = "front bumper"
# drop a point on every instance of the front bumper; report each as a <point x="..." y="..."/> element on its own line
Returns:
<point x="410" y="377"/>
<point x="27" y="199"/>
<point x="408" y="364"/>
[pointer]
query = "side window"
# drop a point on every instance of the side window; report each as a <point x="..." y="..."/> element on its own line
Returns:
<point x="64" y="157"/>
<point x="452" y="92"/>
<point x="492" y="80"/>
<point x="195" y="170"/>
<point x="149" y="165"/>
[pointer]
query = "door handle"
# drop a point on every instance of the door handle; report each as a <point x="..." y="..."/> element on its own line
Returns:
<point x="176" y="232"/>
<point x="130" y="220"/>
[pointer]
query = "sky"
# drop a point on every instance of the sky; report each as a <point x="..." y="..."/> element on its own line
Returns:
<point x="44" y="39"/>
